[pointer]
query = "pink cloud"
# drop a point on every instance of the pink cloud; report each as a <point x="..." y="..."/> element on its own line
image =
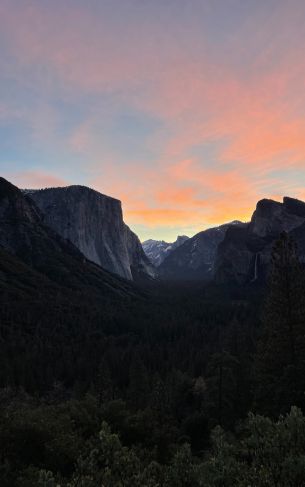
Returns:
<point x="80" y="140"/>
<point x="35" y="179"/>
<point x="202" y="98"/>
<point x="253" y="116"/>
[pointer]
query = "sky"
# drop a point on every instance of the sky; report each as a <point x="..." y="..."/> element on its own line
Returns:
<point x="188" y="111"/>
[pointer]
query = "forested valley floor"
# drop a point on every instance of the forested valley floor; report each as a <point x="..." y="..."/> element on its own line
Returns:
<point x="180" y="385"/>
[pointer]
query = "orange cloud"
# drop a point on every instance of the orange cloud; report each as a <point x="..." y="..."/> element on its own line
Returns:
<point x="206" y="197"/>
<point x="171" y="195"/>
<point x="248" y="105"/>
<point x="203" y="99"/>
<point x="160" y="216"/>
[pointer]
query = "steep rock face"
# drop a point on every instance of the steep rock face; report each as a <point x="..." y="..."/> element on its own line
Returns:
<point x="244" y="254"/>
<point x="294" y="206"/>
<point x="195" y="258"/>
<point x="298" y="234"/>
<point x="271" y="217"/>
<point x="94" y="223"/>
<point x="158" y="250"/>
<point x="25" y="237"/>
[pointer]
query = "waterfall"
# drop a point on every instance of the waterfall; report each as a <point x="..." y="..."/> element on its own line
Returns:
<point x="255" y="267"/>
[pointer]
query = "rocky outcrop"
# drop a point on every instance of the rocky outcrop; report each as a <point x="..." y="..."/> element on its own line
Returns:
<point x="271" y="217"/>
<point x="158" y="250"/>
<point x="195" y="258"/>
<point x="245" y="252"/>
<point x="94" y="223"/>
<point x="24" y="235"/>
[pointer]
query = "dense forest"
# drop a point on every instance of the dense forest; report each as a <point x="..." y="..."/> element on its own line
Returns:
<point x="184" y="384"/>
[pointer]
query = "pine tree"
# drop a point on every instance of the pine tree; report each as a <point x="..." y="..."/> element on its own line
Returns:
<point x="280" y="361"/>
<point x="221" y="386"/>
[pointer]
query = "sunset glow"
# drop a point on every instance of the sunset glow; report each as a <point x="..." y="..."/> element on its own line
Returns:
<point x="189" y="112"/>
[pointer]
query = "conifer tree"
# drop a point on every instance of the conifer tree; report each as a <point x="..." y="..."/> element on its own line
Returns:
<point x="221" y="386"/>
<point x="280" y="361"/>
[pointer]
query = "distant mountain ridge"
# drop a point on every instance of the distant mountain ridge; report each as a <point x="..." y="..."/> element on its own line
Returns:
<point x="238" y="252"/>
<point x="195" y="258"/>
<point x="158" y="250"/>
<point x="93" y="222"/>
<point x="84" y="225"/>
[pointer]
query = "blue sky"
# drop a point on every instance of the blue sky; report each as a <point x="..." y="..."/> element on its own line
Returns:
<point x="188" y="112"/>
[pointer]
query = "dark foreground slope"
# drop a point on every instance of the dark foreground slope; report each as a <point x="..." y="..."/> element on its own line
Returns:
<point x="51" y="297"/>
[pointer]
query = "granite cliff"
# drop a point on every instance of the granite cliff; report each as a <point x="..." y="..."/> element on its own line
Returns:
<point x="244" y="254"/>
<point x="25" y="238"/>
<point x="94" y="223"/>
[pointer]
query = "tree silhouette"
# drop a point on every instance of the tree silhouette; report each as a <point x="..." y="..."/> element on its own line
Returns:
<point x="280" y="361"/>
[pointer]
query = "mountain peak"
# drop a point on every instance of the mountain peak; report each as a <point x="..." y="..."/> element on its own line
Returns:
<point x="72" y="189"/>
<point x="158" y="250"/>
<point x="244" y="256"/>
<point x="267" y="205"/>
<point x="294" y="206"/>
<point x="182" y="238"/>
